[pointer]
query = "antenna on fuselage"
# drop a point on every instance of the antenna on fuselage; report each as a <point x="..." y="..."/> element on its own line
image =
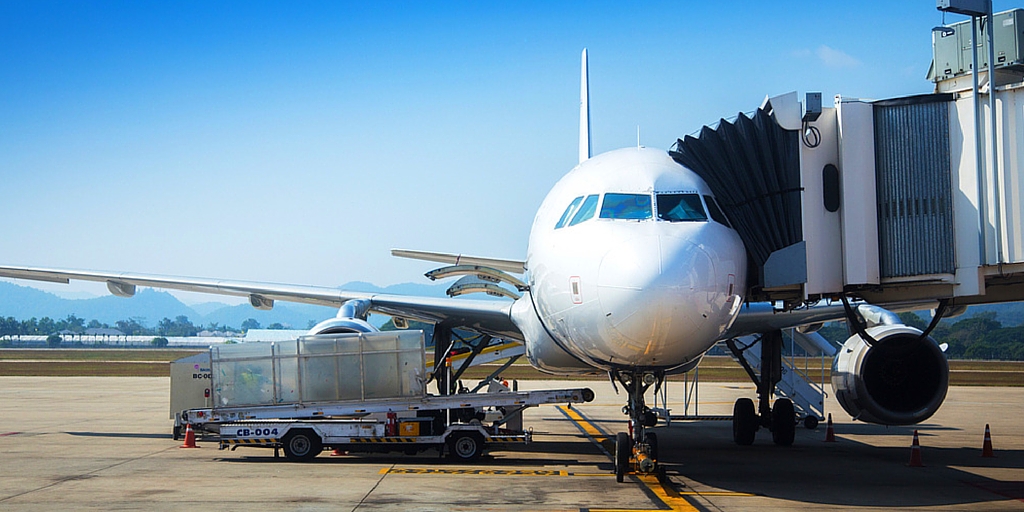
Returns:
<point x="584" y="110"/>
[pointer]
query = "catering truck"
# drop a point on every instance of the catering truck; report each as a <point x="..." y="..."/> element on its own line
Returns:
<point x="354" y="392"/>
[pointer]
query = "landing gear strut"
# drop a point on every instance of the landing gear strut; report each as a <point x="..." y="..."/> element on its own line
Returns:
<point x="637" y="450"/>
<point x="780" y="419"/>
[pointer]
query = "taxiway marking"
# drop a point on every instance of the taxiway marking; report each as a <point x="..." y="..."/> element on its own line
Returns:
<point x="669" y="498"/>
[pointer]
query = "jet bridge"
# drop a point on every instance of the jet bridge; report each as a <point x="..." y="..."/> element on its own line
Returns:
<point x="891" y="200"/>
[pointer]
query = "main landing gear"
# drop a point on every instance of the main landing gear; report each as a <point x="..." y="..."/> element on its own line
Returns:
<point x="637" y="450"/>
<point x="780" y="418"/>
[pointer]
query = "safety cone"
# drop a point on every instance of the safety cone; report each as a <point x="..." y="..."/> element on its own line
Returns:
<point x="986" y="448"/>
<point x="830" y="433"/>
<point x="915" y="453"/>
<point x="190" y="437"/>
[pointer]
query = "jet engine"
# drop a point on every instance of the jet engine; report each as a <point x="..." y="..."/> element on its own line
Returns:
<point x="899" y="378"/>
<point x="351" y="318"/>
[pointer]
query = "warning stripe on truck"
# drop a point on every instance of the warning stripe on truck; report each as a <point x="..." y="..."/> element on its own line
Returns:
<point x="254" y="442"/>
<point x="507" y="439"/>
<point x="383" y="439"/>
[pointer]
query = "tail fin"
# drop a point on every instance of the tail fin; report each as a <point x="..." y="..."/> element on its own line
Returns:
<point x="584" y="110"/>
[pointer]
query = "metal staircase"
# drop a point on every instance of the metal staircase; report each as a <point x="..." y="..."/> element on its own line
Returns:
<point x="808" y="396"/>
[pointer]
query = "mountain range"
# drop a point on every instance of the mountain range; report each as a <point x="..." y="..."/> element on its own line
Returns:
<point x="150" y="306"/>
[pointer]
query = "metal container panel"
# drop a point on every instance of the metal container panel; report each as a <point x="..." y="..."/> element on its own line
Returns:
<point x="324" y="368"/>
<point x="914" y="188"/>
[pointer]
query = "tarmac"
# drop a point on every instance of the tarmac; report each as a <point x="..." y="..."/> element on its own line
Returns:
<point x="104" y="443"/>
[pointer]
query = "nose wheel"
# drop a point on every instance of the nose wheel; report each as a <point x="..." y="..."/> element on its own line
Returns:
<point x="636" y="451"/>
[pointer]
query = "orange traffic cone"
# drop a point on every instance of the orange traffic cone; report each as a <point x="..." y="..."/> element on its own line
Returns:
<point x="915" y="453"/>
<point x="986" y="448"/>
<point x="190" y="437"/>
<point x="830" y="433"/>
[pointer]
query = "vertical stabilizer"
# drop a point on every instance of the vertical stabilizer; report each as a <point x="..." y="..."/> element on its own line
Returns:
<point x="584" y="110"/>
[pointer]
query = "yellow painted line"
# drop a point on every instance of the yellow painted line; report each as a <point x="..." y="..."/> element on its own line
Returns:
<point x="487" y="472"/>
<point x="668" y="496"/>
<point x="589" y="429"/>
<point x="717" y="493"/>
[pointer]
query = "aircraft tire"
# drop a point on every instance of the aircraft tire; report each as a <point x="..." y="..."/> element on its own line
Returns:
<point x="623" y="450"/>
<point x="652" y="444"/>
<point x="783" y="422"/>
<point x="744" y="422"/>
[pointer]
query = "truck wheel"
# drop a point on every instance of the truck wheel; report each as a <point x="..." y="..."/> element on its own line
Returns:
<point x="465" y="446"/>
<point x="177" y="432"/>
<point x="302" y="445"/>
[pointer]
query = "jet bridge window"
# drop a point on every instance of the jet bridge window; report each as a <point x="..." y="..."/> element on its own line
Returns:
<point x="626" y="206"/>
<point x="681" y="207"/>
<point x="716" y="212"/>
<point x="586" y="210"/>
<point x="569" y="210"/>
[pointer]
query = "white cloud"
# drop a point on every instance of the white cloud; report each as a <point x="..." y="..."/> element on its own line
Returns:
<point x="836" y="58"/>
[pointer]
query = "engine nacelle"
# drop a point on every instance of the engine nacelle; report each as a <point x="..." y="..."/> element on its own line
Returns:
<point x="351" y="318"/>
<point x="901" y="379"/>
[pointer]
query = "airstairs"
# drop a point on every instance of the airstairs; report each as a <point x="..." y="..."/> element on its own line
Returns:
<point x="803" y="385"/>
<point x="797" y="384"/>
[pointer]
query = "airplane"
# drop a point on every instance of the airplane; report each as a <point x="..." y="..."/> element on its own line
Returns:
<point x="633" y="269"/>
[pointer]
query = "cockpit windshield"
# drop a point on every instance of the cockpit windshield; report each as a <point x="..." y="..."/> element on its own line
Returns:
<point x="569" y="210"/>
<point x="716" y="212"/>
<point x="681" y="208"/>
<point x="626" y="206"/>
<point x="586" y="211"/>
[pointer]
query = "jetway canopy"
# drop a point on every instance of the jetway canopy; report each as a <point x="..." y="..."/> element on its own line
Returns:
<point x="753" y="166"/>
<point x="879" y="199"/>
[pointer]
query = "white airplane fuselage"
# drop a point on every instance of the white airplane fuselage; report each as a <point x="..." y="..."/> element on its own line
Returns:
<point x="619" y="279"/>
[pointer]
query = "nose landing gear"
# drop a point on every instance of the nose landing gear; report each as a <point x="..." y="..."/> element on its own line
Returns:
<point x="637" y="450"/>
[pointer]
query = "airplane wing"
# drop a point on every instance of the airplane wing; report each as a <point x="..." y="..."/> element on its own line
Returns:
<point x="490" y="317"/>
<point x="761" y="317"/>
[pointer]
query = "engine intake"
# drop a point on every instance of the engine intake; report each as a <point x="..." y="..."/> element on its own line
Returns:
<point x="900" y="379"/>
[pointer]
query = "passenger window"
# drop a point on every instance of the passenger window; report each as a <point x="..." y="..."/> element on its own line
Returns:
<point x="716" y="213"/>
<point x="571" y="209"/>
<point x="586" y="211"/>
<point x="681" y="207"/>
<point x="626" y="206"/>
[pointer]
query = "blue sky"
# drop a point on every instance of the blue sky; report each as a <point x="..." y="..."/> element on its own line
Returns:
<point x="299" y="141"/>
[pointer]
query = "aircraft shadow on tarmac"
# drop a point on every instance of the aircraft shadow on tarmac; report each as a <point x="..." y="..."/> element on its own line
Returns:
<point x="843" y="474"/>
<point x="517" y="456"/>
<point x="123" y="435"/>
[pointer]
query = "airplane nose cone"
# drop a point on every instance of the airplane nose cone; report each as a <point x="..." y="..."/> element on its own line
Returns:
<point x="654" y="293"/>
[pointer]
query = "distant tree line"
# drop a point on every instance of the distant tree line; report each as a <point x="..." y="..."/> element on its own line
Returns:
<point x="978" y="337"/>
<point x="179" y="326"/>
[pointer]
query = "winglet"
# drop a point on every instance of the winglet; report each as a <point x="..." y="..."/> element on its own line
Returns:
<point x="584" y="110"/>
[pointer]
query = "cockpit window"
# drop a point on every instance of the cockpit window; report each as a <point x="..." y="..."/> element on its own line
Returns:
<point x="569" y="210"/>
<point x="586" y="210"/>
<point x="626" y="206"/>
<point x="716" y="212"/>
<point x="681" y="207"/>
